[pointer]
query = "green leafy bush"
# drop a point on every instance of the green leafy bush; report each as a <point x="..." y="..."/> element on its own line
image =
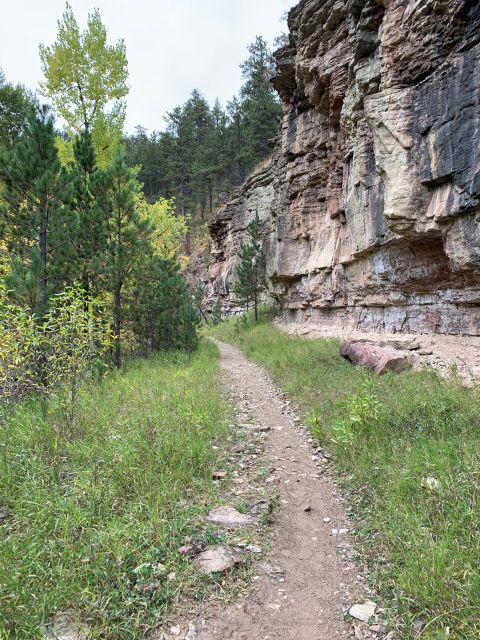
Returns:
<point x="361" y="413"/>
<point x="20" y="344"/>
<point x="74" y="340"/>
<point x="53" y="356"/>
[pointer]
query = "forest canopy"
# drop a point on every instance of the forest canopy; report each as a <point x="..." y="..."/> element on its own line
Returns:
<point x="205" y="150"/>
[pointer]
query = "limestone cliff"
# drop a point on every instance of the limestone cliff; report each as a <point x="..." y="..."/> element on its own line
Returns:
<point x="371" y="200"/>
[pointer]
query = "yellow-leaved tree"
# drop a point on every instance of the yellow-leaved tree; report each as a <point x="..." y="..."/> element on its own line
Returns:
<point x="86" y="80"/>
<point x="170" y="229"/>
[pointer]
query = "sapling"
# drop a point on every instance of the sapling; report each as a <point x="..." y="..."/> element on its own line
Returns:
<point x="250" y="276"/>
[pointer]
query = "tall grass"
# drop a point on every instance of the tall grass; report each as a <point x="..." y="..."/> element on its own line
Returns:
<point x="421" y="539"/>
<point x="95" y="519"/>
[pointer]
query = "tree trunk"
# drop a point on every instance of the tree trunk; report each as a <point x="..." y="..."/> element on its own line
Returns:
<point x="117" y="319"/>
<point x="86" y="288"/>
<point x="42" y="244"/>
<point x="210" y="199"/>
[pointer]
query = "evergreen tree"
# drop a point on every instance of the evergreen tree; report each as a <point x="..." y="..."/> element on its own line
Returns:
<point x="36" y="221"/>
<point x="238" y="166"/>
<point x="85" y="182"/>
<point x="250" y="272"/>
<point x="127" y="235"/>
<point x="189" y="129"/>
<point x="162" y="314"/>
<point x="198" y="296"/>
<point x="261" y="110"/>
<point x="151" y="154"/>
<point x="205" y="152"/>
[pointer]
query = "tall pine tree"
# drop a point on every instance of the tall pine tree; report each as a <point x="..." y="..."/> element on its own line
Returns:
<point x="127" y="236"/>
<point x="86" y="183"/>
<point x="261" y="110"/>
<point x="36" y="220"/>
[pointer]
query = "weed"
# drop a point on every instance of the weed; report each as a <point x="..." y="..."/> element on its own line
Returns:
<point x="362" y="412"/>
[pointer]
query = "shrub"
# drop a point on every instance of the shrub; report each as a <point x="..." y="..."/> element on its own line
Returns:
<point x="74" y="338"/>
<point x="362" y="412"/>
<point x="20" y="345"/>
<point x="54" y="356"/>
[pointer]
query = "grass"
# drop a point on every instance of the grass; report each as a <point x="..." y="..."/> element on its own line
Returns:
<point x="96" y="519"/>
<point x="419" y="539"/>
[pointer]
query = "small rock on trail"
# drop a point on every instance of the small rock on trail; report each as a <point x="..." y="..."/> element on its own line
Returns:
<point x="229" y="517"/>
<point x="363" y="612"/>
<point x="217" y="559"/>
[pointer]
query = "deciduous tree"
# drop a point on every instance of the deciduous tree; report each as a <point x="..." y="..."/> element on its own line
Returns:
<point x="16" y="106"/>
<point x="86" y="80"/>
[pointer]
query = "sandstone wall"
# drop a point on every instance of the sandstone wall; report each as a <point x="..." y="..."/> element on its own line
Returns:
<point x="371" y="200"/>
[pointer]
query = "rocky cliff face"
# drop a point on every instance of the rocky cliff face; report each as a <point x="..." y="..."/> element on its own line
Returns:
<point x="371" y="200"/>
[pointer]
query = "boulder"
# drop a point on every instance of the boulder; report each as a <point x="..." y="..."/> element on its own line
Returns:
<point x="378" y="359"/>
<point x="217" y="559"/>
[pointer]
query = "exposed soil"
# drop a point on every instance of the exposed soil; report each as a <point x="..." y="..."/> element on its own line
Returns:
<point x="307" y="580"/>
<point x="448" y="354"/>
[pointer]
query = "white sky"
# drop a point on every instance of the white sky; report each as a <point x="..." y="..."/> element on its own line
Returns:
<point x="173" y="46"/>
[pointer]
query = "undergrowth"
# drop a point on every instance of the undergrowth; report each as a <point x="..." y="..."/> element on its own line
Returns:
<point x="92" y="522"/>
<point x="409" y="446"/>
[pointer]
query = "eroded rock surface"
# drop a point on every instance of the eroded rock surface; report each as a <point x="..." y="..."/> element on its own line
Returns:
<point x="371" y="200"/>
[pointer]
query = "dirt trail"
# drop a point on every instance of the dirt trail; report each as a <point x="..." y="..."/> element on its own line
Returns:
<point x="304" y="582"/>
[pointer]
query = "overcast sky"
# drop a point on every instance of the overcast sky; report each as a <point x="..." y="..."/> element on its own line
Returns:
<point x="173" y="46"/>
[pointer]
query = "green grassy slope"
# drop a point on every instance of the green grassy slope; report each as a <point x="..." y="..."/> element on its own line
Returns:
<point x="95" y="520"/>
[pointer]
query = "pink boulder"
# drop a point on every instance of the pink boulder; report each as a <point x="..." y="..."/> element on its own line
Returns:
<point x="379" y="359"/>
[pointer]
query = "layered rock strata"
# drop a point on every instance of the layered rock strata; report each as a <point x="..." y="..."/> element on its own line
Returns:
<point x="371" y="200"/>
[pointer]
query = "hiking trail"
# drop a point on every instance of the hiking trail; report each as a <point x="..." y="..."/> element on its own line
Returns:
<point x="307" y="577"/>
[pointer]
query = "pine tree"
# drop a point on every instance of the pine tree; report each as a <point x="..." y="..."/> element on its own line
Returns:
<point x="162" y="313"/>
<point x="260" y="108"/>
<point x="205" y="152"/>
<point x="238" y="167"/>
<point x="85" y="183"/>
<point x="36" y="222"/>
<point x="250" y="272"/>
<point x="127" y="235"/>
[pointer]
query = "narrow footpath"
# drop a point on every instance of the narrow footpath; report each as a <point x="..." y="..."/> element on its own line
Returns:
<point x="307" y="579"/>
